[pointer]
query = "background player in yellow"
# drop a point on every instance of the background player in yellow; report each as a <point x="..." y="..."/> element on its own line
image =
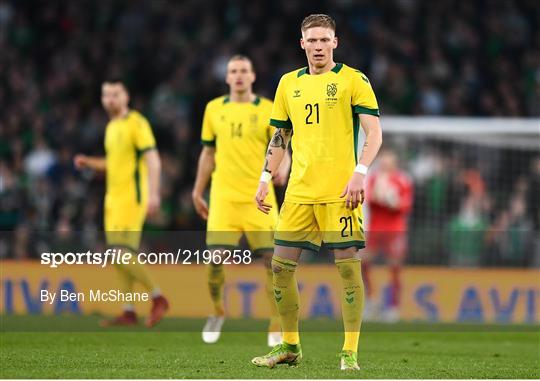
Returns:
<point x="132" y="167"/>
<point x="235" y="134"/>
<point x="323" y="104"/>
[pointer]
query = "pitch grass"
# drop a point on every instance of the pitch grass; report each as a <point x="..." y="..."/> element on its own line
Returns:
<point x="77" y="349"/>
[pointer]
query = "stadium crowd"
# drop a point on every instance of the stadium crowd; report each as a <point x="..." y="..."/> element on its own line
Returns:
<point x="474" y="58"/>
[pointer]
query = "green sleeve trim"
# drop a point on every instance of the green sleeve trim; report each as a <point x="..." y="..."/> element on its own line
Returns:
<point x="365" y="110"/>
<point x="302" y="244"/>
<point x="209" y="143"/>
<point x="137" y="175"/>
<point x="346" y="245"/>
<point x="143" y="150"/>
<point x="356" y="129"/>
<point x="281" y="123"/>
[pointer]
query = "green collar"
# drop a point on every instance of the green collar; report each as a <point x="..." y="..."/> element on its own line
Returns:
<point x="256" y="102"/>
<point x="335" y="69"/>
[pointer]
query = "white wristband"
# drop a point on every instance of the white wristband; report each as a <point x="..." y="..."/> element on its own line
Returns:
<point x="361" y="168"/>
<point x="266" y="177"/>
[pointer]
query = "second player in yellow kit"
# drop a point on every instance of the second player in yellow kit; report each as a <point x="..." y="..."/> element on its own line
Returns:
<point x="240" y="134"/>
<point x="132" y="167"/>
<point x="235" y="134"/>
<point x="126" y="141"/>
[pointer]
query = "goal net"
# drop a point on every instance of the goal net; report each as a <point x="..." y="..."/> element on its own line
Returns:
<point x="476" y="188"/>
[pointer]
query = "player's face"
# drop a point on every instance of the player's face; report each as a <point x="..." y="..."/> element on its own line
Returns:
<point x="240" y="76"/>
<point x="319" y="44"/>
<point x="114" y="97"/>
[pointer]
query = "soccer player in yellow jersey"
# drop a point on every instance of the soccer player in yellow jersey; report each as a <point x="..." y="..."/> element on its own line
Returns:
<point x="323" y="104"/>
<point x="132" y="167"/>
<point x="235" y="134"/>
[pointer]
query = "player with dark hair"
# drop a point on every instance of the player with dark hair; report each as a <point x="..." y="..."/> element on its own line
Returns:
<point x="132" y="167"/>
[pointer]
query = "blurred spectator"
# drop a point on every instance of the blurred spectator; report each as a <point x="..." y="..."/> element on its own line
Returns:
<point x="466" y="234"/>
<point x="508" y="237"/>
<point x="389" y="196"/>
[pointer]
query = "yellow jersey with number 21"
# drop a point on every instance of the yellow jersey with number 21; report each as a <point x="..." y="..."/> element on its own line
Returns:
<point x="323" y="112"/>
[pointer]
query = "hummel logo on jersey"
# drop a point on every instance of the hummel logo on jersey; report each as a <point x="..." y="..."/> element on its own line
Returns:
<point x="296" y="94"/>
<point x="363" y="76"/>
<point x="277" y="295"/>
<point x="331" y="89"/>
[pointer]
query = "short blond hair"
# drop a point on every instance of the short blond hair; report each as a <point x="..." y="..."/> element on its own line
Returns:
<point x="318" y="20"/>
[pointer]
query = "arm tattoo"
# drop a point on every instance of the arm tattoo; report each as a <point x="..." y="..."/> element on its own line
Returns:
<point x="277" y="140"/>
<point x="268" y="153"/>
<point x="265" y="169"/>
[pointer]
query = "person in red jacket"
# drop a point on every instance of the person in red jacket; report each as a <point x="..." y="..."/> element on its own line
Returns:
<point x="389" y="194"/>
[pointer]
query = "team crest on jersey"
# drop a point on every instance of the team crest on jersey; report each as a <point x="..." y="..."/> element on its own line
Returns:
<point x="331" y="89"/>
<point x="331" y="92"/>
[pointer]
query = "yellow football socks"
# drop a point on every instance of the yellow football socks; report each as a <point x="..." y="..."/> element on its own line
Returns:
<point x="274" y="325"/>
<point x="286" y="296"/>
<point x="352" y="303"/>
<point x="216" y="280"/>
<point x="135" y="272"/>
<point x="140" y="274"/>
<point x="126" y="280"/>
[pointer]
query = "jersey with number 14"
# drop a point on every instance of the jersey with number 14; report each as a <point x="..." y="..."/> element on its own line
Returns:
<point x="323" y="112"/>
<point x="240" y="133"/>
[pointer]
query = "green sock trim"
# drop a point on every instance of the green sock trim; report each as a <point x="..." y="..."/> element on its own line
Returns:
<point x="295" y="348"/>
<point x="347" y="260"/>
<point x="287" y="263"/>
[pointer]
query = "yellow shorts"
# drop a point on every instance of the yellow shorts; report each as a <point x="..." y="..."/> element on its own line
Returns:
<point x="124" y="220"/>
<point x="228" y="220"/>
<point x="308" y="225"/>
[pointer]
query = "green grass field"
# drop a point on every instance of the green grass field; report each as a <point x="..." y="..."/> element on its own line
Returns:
<point x="73" y="347"/>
